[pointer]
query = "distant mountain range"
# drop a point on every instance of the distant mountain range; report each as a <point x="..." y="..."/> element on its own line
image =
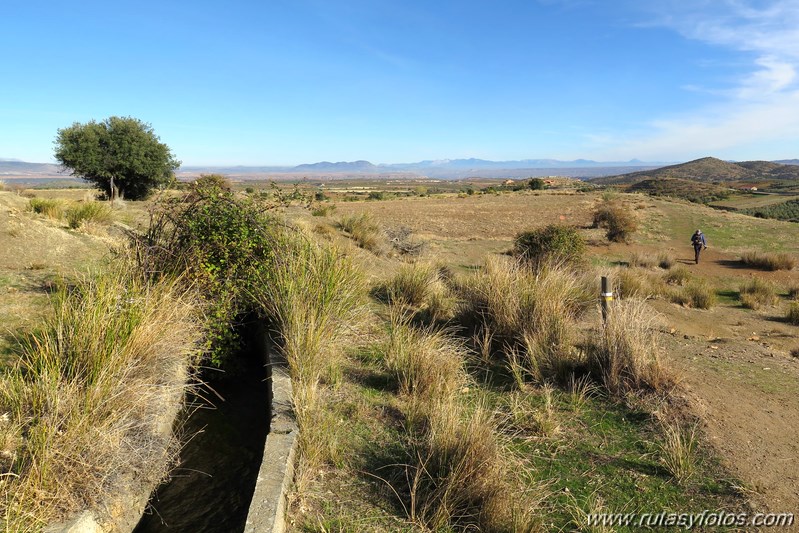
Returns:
<point x="15" y="167"/>
<point x="712" y="170"/>
<point x="446" y="168"/>
<point x="621" y="172"/>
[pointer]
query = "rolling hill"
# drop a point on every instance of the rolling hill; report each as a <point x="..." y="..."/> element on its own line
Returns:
<point x="710" y="170"/>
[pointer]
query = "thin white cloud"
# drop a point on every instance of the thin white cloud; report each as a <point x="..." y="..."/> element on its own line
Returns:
<point x="762" y="105"/>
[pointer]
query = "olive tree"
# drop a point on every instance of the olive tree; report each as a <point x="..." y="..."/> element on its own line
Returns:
<point x="120" y="155"/>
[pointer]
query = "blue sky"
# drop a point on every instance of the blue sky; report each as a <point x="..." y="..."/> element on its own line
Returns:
<point x="289" y="82"/>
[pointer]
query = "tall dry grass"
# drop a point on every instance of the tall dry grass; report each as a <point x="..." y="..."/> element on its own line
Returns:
<point x="83" y="409"/>
<point x="50" y="208"/>
<point x="88" y="212"/>
<point x="625" y="353"/>
<point x="757" y="293"/>
<point x="313" y="294"/>
<point x="365" y="231"/>
<point x="427" y="363"/>
<point x="421" y="287"/>
<point x="677" y="451"/>
<point x="768" y="261"/>
<point x="460" y="479"/>
<point x="697" y="293"/>
<point x="457" y="474"/>
<point x="535" y="310"/>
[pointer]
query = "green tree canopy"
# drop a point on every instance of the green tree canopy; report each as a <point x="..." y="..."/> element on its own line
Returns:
<point x="119" y="153"/>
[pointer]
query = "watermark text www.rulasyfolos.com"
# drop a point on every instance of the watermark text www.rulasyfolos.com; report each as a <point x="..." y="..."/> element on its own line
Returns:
<point x="692" y="520"/>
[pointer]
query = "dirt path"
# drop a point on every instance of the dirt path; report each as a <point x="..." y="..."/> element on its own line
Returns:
<point x="745" y="386"/>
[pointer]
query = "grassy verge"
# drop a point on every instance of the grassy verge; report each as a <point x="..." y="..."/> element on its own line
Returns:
<point x="444" y="432"/>
<point x="88" y="391"/>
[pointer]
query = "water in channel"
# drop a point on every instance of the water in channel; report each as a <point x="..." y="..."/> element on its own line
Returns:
<point x="211" y="489"/>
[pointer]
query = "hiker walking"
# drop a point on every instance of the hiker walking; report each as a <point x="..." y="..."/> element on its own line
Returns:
<point x="699" y="243"/>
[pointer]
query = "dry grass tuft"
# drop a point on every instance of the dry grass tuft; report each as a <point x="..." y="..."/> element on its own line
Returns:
<point x="698" y="294"/>
<point x="642" y="260"/>
<point x="635" y="283"/>
<point x="313" y="294"/>
<point x="677" y="451"/>
<point x="626" y="354"/>
<point x="48" y="207"/>
<point x="666" y="261"/>
<point x="534" y="311"/>
<point x="678" y="276"/>
<point x="427" y="364"/>
<point x="460" y="478"/>
<point x="757" y="293"/>
<point x="768" y="261"/>
<point x="90" y="386"/>
<point x="584" y="516"/>
<point x="88" y="212"/>
<point x="420" y="286"/>
<point x="365" y="231"/>
<point x="792" y="316"/>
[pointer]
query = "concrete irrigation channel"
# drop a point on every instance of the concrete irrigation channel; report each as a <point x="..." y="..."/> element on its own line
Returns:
<point x="237" y="463"/>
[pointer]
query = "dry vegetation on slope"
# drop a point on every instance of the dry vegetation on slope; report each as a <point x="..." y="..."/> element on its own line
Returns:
<point x="460" y="342"/>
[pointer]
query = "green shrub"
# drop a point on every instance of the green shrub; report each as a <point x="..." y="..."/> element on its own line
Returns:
<point x="768" y="261"/>
<point x="50" y="208"/>
<point x="211" y="182"/>
<point x="376" y="195"/>
<point x="323" y="210"/>
<point x="88" y="212"/>
<point x="551" y="243"/>
<point x="536" y="184"/>
<point x="618" y="221"/>
<point x="758" y="293"/>
<point x="217" y="244"/>
<point x="793" y="313"/>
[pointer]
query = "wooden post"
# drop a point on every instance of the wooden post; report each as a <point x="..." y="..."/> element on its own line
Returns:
<point x="605" y="297"/>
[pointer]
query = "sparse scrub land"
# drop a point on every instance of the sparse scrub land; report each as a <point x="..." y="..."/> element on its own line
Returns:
<point x="463" y="398"/>
<point x="768" y="261"/>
